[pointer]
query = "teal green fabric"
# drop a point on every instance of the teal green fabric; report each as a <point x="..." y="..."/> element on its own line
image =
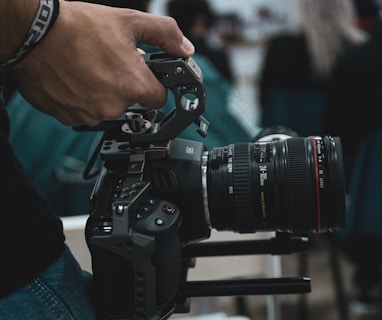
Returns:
<point x="300" y="109"/>
<point x="53" y="155"/>
<point x="223" y="129"/>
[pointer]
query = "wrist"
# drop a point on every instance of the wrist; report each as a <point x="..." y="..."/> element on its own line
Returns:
<point x="17" y="43"/>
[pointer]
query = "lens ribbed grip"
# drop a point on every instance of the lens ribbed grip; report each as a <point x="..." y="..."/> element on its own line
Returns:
<point x="243" y="205"/>
<point x="299" y="188"/>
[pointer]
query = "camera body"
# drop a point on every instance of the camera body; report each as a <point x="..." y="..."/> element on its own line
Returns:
<point x="144" y="210"/>
<point x="132" y="232"/>
<point x="157" y="196"/>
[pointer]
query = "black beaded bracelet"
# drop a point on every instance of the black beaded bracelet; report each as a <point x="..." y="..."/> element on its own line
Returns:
<point x="45" y="18"/>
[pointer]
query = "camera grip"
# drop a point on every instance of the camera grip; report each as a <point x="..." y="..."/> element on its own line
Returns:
<point x="161" y="219"/>
<point x="135" y="255"/>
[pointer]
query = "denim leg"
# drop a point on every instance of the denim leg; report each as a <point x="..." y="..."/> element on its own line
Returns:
<point x="61" y="292"/>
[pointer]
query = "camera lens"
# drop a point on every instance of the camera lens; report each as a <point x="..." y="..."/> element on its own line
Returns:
<point x="291" y="185"/>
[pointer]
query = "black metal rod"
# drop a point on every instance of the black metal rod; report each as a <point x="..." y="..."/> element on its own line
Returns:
<point x="276" y="246"/>
<point x="244" y="287"/>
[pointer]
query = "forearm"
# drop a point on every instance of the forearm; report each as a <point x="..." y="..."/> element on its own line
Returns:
<point x="16" y="17"/>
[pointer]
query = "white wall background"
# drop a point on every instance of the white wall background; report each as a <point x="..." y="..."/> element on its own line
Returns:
<point x="245" y="8"/>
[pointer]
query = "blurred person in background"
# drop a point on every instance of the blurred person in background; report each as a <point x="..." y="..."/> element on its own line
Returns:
<point x="353" y="90"/>
<point x="298" y="64"/>
<point x="353" y="113"/>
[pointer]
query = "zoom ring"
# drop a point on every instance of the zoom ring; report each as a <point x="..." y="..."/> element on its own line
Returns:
<point x="298" y="186"/>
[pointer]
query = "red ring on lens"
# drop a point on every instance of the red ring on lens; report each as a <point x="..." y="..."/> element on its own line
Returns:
<point x="318" y="196"/>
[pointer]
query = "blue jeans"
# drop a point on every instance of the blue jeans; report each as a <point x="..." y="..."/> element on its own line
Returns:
<point x="61" y="292"/>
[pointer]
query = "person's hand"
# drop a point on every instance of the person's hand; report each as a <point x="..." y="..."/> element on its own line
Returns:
<point x="88" y="68"/>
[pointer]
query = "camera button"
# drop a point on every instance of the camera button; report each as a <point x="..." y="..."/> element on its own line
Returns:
<point x="139" y="216"/>
<point x="168" y="209"/>
<point x="119" y="210"/>
<point x="159" y="221"/>
<point x="145" y="209"/>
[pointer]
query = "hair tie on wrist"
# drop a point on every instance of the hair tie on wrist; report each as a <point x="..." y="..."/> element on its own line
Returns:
<point x="46" y="16"/>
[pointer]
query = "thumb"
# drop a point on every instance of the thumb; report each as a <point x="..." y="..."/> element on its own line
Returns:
<point x="164" y="32"/>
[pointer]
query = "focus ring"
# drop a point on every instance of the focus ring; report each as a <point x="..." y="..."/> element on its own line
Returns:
<point x="243" y="205"/>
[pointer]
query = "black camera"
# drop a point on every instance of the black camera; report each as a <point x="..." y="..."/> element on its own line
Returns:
<point x="158" y="196"/>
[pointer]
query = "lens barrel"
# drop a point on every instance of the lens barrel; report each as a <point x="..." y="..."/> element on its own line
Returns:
<point x="292" y="185"/>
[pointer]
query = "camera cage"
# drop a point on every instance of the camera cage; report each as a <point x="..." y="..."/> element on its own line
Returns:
<point x="117" y="241"/>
